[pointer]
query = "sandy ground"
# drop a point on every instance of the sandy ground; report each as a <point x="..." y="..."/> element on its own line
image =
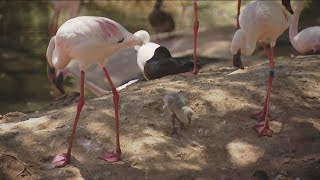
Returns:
<point x="219" y="144"/>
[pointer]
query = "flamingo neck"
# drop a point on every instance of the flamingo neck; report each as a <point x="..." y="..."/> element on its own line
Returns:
<point x="238" y="14"/>
<point x="293" y="30"/>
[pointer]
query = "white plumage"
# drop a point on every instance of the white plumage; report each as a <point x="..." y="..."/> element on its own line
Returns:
<point x="260" y="21"/>
<point x="90" y="40"/>
<point x="306" y="40"/>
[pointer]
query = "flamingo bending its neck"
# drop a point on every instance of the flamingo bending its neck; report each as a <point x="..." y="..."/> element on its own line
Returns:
<point x="90" y="40"/>
<point x="72" y="7"/>
<point x="261" y="21"/>
<point x="306" y="41"/>
<point x="237" y="57"/>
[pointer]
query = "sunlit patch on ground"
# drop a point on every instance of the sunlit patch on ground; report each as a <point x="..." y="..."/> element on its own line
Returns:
<point x="244" y="154"/>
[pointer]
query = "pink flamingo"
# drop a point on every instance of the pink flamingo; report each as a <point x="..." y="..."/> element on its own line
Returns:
<point x="90" y="40"/>
<point x="306" y="41"/>
<point x="261" y="21"/>
<point x="58" y="5"/>
<point x="237" y="57"/>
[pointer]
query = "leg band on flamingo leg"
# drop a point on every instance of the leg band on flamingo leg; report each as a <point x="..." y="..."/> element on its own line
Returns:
<point x="263" y="128"/>
<point x="271" y="73"/>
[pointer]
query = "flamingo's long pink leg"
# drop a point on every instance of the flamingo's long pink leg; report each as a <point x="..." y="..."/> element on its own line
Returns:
<point x="64" y="159"/>
<point x="113" y="156"/>
<point x="260" y="116"/>
<point x="263" y="128"/>
<point x="195" y="36"/>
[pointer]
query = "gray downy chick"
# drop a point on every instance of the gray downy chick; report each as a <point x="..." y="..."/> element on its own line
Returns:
<point x="175" y="103"/>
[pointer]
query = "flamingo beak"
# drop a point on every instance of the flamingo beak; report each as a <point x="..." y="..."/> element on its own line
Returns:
<point x="287" y="4"/>
<point x="237" y="61"/>
<point x="59" y="83"/>
<point x="56" y="80"/>
<point x="51" y="74"/>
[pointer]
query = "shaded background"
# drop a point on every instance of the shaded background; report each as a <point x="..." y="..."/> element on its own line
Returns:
<point x="24" y="38"/>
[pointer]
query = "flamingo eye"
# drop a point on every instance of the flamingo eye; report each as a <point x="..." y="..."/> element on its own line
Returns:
<point x="121" y="40"/>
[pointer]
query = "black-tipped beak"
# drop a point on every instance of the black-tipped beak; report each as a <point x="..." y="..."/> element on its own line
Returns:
<point x="59" y="83"/>
<point x="56" y="80"/>
<point x="287" y="4"/>
<point x="237" y="61"/>
<point x="51" y="73"/>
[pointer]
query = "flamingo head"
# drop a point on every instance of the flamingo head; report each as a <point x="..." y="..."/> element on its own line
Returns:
<point x="287" y="4"/>
<point x="143" y="35"/>
<point x="188" y="112"/>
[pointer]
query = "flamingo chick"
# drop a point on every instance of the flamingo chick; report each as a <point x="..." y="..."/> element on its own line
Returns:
<point x="237" y="57"/>
<point x="89" y="40"/>
<point x="306" y="41"/>
<point x="175" y="103"/>
<point x="261" y="21"/>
